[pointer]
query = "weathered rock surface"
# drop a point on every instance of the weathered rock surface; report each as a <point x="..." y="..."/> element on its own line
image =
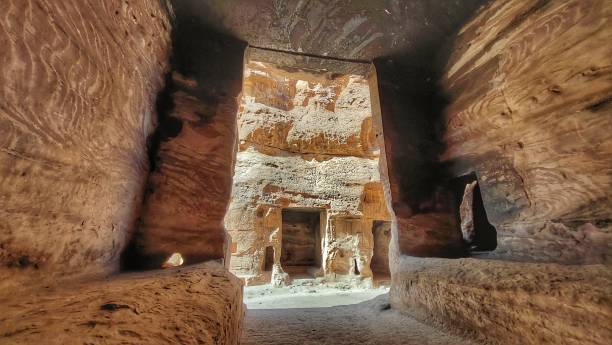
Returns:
<point x="79" y="80"/>
<point x="193" y="150"/>
<point x="508" y="302"/>
<point x="380" y="257"/>
<point x="338" y="28"/>
<point x="306" y="141"/>
<point x="466" y="212"/>
<point x="530" y="88"/>
<point x="188" y="192"/>
<point x="191" y="305"/>
<point x="429" y="234"/>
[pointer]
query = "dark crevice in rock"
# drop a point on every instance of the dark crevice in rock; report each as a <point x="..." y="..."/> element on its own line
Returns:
<point x="167" y="126"/>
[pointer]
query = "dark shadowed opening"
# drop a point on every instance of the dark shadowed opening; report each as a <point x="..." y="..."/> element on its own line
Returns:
<point x="269" y="259"/>
<point x="206" y="66"/>
<point x="301" y="252"/>
<point x="477" y="232"/>
<point x="381" y="230"/>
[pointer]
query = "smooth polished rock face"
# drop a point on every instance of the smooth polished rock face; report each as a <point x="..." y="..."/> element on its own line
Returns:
<point x="307" y="143"/>
<point x="78" y="85"/>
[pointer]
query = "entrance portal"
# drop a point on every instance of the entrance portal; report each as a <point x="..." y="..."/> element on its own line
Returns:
<point x="380" y="259"/>
<point x="301" y="243"/>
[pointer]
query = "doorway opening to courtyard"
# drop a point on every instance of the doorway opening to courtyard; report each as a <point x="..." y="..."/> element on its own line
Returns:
<point x="381" y="231"/>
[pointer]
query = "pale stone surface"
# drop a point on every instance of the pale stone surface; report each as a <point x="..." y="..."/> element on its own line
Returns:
<point x="306" y="141"/>
<point x="175" y="260"/>
<point x="334" y="317"/>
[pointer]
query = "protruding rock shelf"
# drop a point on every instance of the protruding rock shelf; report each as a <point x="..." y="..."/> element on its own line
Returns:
<point x="508" y="302"/>
<point x="191" y="305"/>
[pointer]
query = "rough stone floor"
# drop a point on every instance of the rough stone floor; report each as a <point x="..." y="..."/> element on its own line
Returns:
<point x="199" y="304"/>
<point x="365" y="323"/>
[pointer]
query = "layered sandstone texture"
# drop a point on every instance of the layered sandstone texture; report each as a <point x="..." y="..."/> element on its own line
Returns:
<point x="79" y="80"/>
<point x="502" y="302"/>
<point x="530" y="84"/>
<point x="307" y="146"/>
<point x="193" y="151"/>
<point x="193" y="305"/>
<point x="529" y="89"/>
<point x="188" y="191"/>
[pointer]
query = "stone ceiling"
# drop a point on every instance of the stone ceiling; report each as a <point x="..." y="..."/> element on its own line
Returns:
<point x="343" y="29"/>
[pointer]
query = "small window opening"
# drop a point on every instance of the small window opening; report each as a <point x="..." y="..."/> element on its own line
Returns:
<point x="356" y="267"/>
<point x="381" y="232"/>
<point x="477" y="232"/>
<point x="269" y="259"/>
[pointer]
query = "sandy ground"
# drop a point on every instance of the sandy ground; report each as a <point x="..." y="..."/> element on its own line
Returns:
<point x="338" y="315"/>
<point x="307" y="293"/>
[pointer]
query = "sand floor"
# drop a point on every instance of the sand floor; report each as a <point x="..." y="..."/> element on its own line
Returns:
<point x="338" y="315"/>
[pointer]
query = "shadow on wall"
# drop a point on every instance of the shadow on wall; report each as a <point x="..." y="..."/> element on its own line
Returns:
<point x="206" y="73"/>
<point x="412" y="109"/>
<point x="412" y="106"/>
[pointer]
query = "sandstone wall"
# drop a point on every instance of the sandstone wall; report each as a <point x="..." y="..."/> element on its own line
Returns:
<point x="79" y="80"/>
<point x="530" y="88"/>
<point x="193" y="150"/>
<point x="306" y="141"/>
